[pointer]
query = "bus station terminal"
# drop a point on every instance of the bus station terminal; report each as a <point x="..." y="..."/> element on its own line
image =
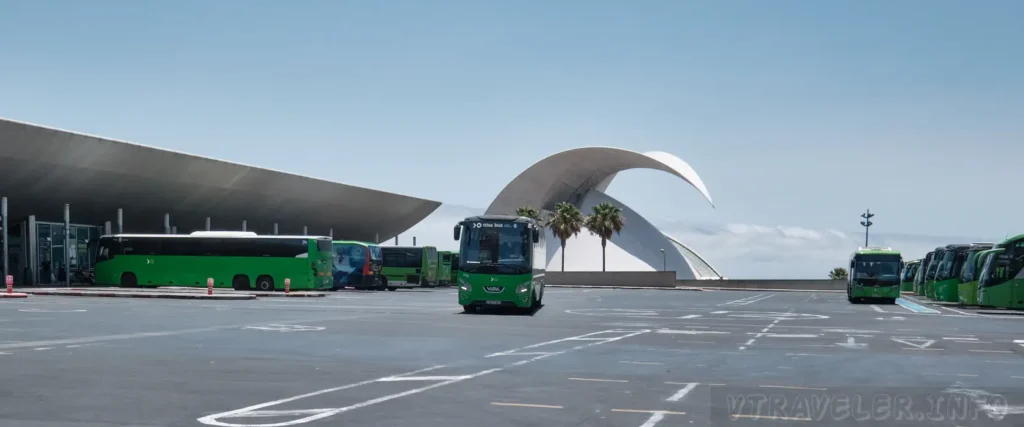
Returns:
<point x="62" y="190"/>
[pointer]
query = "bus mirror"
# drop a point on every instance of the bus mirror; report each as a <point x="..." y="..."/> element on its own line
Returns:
<point x="458" y="228"/>
<point x="536" y="235"/>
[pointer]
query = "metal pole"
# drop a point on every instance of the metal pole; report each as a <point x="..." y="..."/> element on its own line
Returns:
<point x="174" y="229"/>
<point x="243" y="225"/>
<point x="67" y="245"/>
<point x="167" y="223"/>
<point x="275" y="228"/>
<point x="120" y="221"/>
<point x="867" y="224"/>
<point x="414" y="240"/>
<point x="330" y="233"/>
<point x="207" y="223"/>
<point x="3" y="216"/>
<point x="305" y="230"/>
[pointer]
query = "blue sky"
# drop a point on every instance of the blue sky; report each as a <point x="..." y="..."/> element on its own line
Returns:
<point x="794" y="113"/>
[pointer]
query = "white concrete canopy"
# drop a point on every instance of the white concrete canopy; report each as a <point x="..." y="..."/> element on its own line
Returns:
<point x="42" y="168"/>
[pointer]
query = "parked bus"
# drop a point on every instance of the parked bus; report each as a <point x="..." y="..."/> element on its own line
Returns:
<point x="947" y="277"/>
<point x="233" y="259"/>
<point x="357" y="264"/>
<point x="908" y="275"/>
<point x="967" y="289"/>
<point x="501" y="262"/>
<point x="991" y="275"/>
<point x="444" y="268"/>
<point x="874" y="274"/>
<point x="409" y="266"/>
<point x="933" y="267"/>
<point x="1004" y="286"/>
<point x="921" y="276"/>
<point x="454" y="280"/>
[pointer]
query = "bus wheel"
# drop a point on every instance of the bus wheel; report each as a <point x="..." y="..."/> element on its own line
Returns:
<point x="265" y="283"/>
<point x="469" y="309"/>
<point x="240" y="282"/>
<point x="129" y="280"/>
<point x="392" y="288"/>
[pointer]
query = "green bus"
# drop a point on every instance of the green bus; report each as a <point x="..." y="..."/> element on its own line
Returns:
<point x="967" y="289"/>
<point x="409" y="266"/>
<point x="501" y="262"/>
<point x="444" y="268"/>
<point x="357" y="264"/>
<point x="921" y="277"/>
<point x="455" y="269"/>
<point x="933" y="268"/>
<point x="232" y="259"/>
<point x="908" y="275"/>
<point x="874" y="274"/>
<point x="1003" y="285"/>
<point x="947" y="277"/>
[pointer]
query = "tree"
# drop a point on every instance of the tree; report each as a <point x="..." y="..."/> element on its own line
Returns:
<point x="566" y="221"/>
<point x="529" y="212"/>
<point x="838" y="273"/>
<point x="607" y="219"/>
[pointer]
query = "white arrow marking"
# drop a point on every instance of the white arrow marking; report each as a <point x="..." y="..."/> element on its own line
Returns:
<point x="850" y="343"/>
<point x="919" y="343"/>
<point x="877" y="308"/>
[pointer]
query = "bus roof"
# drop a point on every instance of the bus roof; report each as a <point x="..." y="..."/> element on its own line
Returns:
<point x="1012" y="239"/>
<point x="915" y="261"/>
<point x="405" y="247"/>
<point x="877" y="251"/>
<point x="511" y="218"/>
<point x="957" y="246"/>
<point x="212" y="236"/>
<point x="354" y="242"/>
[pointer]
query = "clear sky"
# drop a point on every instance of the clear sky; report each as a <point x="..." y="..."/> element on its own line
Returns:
<point x="795" y="113"/>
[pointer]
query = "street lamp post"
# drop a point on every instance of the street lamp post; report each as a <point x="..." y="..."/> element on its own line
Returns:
<point x="867" y="224"/>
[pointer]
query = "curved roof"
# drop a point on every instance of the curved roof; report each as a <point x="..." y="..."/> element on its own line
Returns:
<point x="570" y="173"/>
<point x="701" y="266"/>
<point x="43" y="168"/>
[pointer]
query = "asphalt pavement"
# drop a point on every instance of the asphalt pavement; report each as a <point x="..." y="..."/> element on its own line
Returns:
<point x="589" y="357"/>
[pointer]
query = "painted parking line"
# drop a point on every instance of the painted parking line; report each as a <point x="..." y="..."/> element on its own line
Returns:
<point x="599" y="380"/>
<point x="679" y="395"/>
<point x="915" y="307"/>
<point x="527" y="405"/>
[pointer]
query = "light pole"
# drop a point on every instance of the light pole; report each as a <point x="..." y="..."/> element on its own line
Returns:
<point x="867" y="224"/>
<point x="663" y="262"/>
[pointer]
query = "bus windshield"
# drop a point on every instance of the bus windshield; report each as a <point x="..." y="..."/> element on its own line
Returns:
<point x="375" y="253"/>
<point x="946" y="265"/>
<point x="909" y="272"/>
<point x="879" y="267"/>
<point x="496" y="248"/>
<point x="967" y="273"/>
<point x="349" y="257"/>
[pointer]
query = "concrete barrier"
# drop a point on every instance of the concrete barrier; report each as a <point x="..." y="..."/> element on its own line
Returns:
<point x="791" y="285"/>
<point x="650" y="279"/>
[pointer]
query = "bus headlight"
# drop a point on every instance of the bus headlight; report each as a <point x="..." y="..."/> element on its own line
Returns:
<point x="465" y="286"/>
<point x="523" y="288"/>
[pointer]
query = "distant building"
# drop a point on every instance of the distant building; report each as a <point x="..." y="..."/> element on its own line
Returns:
<point x="581" y="176"/>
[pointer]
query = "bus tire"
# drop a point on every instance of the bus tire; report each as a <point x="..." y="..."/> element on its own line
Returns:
<point x="392" y="288"/>
<point x="129" y="280"/>
<point x="265" y="283"/>
<point x="469" y="309"/>
<point x="240" y="282"/>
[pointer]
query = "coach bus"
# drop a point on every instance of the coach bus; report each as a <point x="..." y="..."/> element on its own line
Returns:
<point x="232" y="259"/>
<point x="409" y="266"/>
<point x="444" y="268"/>
<point x="357" y="264"/>
<point x="501" y="262"/>
<point x="454" y="279"/>
<point x="1003" y="285"/>
<point x="920" y="276"/>
<point x="874" y="274"/>
<point x="908" y="274"/>
<point x="933" y="268"/>
<point x="947" y="277"/>
<point x="967" y="289"/>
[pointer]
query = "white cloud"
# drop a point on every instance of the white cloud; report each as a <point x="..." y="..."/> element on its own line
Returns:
<point x="738" y="251"/>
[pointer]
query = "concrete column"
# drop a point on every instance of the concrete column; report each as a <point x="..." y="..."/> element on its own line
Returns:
<point x="207" y="223"/>
<point x="167" y="223"/>
<point x="275" y="228"/>
<point x="106" y="228"/>
<point x="120" y="221"/>
<point x="174" y="229"/>
<point x="376" y="237"/>
<point x="330" y="233"/>
<point x="33" y="250"/>
<point x="67" y="245"/>
<point x="305" y="230"/>
<point x="396" y="240"/>
<point x="3" y="224"/>
<point x="414" y="240"/>
<point x="243" y="225"/>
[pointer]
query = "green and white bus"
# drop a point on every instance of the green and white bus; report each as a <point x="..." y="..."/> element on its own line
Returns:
<point x="933" y="267"/>
<point x="501" y="262"/>
<point x="409" y="266"/>
<point x="233" y="259"/>
<point x="908" y="275"/>
<point x="455" y="269"/>
<point x="1003" y="286"/>
<point x="874" y="274"/>
<point x="444" y="268"/>
<point x="967" y="289"/>
<point x="947" y="277"/>
<point x="921" y="275"/>
<point x="357" y="264"/>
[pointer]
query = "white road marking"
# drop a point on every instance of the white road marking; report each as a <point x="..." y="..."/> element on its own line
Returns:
<point x="527" y="405"/>
<point x="959" y="339"/>
<point x="759" y="335"/>
<point x="696" y="342"/>
<point x="850" y="331"/>
<point x="599" y="380"/>
<point x="787" y="335"/>
<point x="682" y="392"/>
<point x="41" y="310"/>
<point x="877" y="308"/>
<point x="959" y="311"/>
<point x="686" y="332"/>
<point x="915" y="342"/>
<point x="991" y="351"/>
<point x="214" y="419"/>
<point x="689" y="316"/>
<point x="428" y="378"/>
<point x="748" y="300"/>
<point x="807" y="354"/>
<point x="719" y="312"/>
<point x="576" y="338"/>
<point x="286" y="328"/>
<point x="631" y="362"/>
<point x="268" y="414"/>
<point x="43" y="348"/>
<point x="850" y="343"/>
<point x="655" y="417"/>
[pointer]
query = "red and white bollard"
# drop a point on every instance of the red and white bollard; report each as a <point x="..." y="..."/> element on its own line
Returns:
<point x="287" y="285"/>
<point x="10" y="284"/>
<point x="209" y="286"/>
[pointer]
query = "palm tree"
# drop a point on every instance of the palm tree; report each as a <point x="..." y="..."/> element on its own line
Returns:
<point x="566" y="221"/>
<point x="529" y="212"/>
<point x="606" y="220"/>
<point x="838" y="273"/>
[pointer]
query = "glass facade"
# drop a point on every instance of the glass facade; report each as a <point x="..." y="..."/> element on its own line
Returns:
<point x="51" y="246"/>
